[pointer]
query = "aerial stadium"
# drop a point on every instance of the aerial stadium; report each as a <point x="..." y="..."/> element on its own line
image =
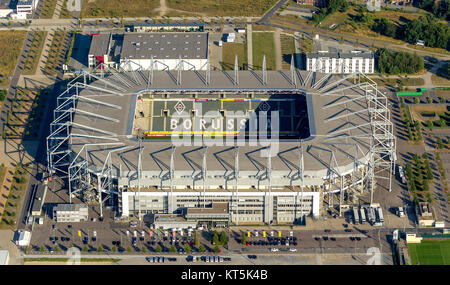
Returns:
<point x="221" y="147"/>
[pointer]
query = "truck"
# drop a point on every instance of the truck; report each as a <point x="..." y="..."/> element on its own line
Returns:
<point x="363" y="215"/>
<point x="355" y="215"/>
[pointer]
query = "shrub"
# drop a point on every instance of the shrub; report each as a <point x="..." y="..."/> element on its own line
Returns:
<point x="201" y="248"/>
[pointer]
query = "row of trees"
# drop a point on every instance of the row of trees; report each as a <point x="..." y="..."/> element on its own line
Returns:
<point x="428" y="29"/>
<point x="440" y="9"/>
<point x="391" y="62"/>
<point x="420" y="177"/>
<point x="331" y="7"/>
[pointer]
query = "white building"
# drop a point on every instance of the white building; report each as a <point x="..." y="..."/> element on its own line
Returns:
<point x="166" y="50"/>
<point x="70" y="213"/>
<point x="25" y="7"/>
<point x="338" y="62"/>
<point x="24" y="238"/>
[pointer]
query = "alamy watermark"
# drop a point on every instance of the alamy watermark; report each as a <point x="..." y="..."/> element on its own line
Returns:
<point x="226" y="128"/>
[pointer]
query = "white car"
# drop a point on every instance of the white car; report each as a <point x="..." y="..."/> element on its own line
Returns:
<point x="274" y="249"/>
<point x="400" y="212"/>
<point x="293" y="250"/>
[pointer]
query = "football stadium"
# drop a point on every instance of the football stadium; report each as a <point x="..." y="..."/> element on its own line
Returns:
<point x="221" y="147"/>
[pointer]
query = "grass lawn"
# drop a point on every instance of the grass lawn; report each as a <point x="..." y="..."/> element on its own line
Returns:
<point x="430" y="252"/>
<point x="395" y="81"/>
<point x="34" y="53"/>
<point x="287" y="50"/>
<point x="48" y="9"/>
<point x="263" y="44"/>
<point x="442" y="76"/>
<point x="262" y="28"/>
<point x="118" y="8"/>
<point x="10" y="47"/>
<point x="229" y="51"/>
<point x="223" y="7"/>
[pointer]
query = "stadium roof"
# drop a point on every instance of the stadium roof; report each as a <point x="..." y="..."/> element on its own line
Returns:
<point x="103" y="117"/>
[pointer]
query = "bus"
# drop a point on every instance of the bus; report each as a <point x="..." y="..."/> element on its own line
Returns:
<point x="355" y="215"/>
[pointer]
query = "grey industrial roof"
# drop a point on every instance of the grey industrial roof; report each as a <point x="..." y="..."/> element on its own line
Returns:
<point x="69" y="207"/>
<point x="100" y="44"/>
<point x="165" y="45"/>
<point x="340" y="54"/>
<point x="113" y="116"/>
<point x="39" y="198"/>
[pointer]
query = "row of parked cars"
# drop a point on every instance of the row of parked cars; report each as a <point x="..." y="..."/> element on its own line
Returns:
<point x="274" y="241"/>
<point x="160" y="259"/>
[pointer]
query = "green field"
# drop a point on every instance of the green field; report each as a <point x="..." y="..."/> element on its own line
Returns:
<point x="263" y="44"/>
<point x="430" y="252"/>
<point x="229" y="51"/>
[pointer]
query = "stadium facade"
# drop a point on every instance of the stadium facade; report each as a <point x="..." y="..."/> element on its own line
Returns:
<point x="114" y="140"/>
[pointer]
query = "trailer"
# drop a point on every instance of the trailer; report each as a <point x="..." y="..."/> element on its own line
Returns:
<point x="363" y="215"/>
<point x="371" y="215"/>
<point x="380" y="215"/>
<point x="355" y="215"/>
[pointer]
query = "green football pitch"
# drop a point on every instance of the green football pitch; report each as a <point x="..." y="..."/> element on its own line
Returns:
<point x="430" y="252"/>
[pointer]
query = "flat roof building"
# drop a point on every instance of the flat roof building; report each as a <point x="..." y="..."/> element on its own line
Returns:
<point x="70" y="213"/>
<point x="166" y="50"/>
<point x="133" y="51"/>
<point x="39" y="199"/>
<point x="341" y="62"/>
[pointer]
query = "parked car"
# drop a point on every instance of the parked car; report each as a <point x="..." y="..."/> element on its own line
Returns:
<point x="293" y="250"/>
<point x="274" y="249"/>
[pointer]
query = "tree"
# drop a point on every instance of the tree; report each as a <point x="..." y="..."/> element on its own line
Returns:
<point x="216" y="249"/>
<point x="440" y="143"/>
<point x="223" y="238"/>
<point x="114" y="249"/>
<point x="187" y="248"/>
<point x="196" y="240"/>
<point x="243" y="239"/>
<point x="215" y="238"/>
<point x="42" y="248"/>
<point x="144" y="249"/>
<point x="99" y="249"/>
<point x="201" y="248"/>
<point x="158" y="248"/>
<point x="430" y="125"/>
<point x="85" y="248"/>
<point x="129" y="248"/>
<point x="172" y="249"/>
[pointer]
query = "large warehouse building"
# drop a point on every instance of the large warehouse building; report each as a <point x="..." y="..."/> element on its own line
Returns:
<point x="243" y="147"/>
<point x="138" y="51"/>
